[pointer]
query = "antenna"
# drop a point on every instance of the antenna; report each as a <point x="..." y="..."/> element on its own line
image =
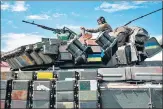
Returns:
<point x="142" y="16"/>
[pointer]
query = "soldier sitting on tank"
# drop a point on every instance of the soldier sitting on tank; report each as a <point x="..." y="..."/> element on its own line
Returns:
<point x="121" y="34"/>
<point x="103" y="26"/>
<point x="134" y="34"/>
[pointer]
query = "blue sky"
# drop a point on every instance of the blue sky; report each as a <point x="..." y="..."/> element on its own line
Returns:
<point x="15" y="33"/>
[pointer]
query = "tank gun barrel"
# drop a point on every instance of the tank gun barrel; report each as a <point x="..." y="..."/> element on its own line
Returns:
<point x="57" y="31"/>
<point x="45" y="27"/>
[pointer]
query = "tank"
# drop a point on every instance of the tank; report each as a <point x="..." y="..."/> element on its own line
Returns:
<point x="72" y="72"/>
<point x="96" y="73"/>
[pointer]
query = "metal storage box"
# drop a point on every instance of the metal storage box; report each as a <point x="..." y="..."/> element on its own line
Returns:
<point x="46" y="58"/>
<point x="2" y="106"/>
<point x="41" y="85"/>
<point x="28" y="59"/>
<point x="18" y="104"/>
<point x="3" y="84"/>
<point x="54" y="41"/>
<point x="112" y="74"/>
<point x="36" y="58"/>
<point x="88" y="75"/>
<point x="15" y="64"/>
<point x="25" y="75"/>
<point x="50" y="49"/>
<point x="17" y="60"/>
<point x="66" y="75"/>
<point x="10" y="63"/>
<point x="85" y="85"/>
<point x="41" y="104"/>
<point x="3" y="95"/>
<point x="38" y="45"/>
<point x="20" y="84"/>
<point x="41" y="95"/>
<point x="19" y="95"/>
<point x="88" y="104"/>
<point x="65" y="105"/>
<point x="67" y="96"/>
<point x="88" y="96"/>
<point x="44" y="75"/>
<point x="147" y="73"/>
<point x="64" y="85"/>
<point x="7" y="75"/>
<point x="22" y="61"/>
<point x="66" y="56"/>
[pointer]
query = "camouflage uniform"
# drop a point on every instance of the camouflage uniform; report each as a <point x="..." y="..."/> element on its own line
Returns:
<point x="101" y="28"/>
<point x="122" y="34"/>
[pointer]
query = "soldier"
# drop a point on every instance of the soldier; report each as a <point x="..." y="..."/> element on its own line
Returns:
<point x="103" y="26"/>
<point x="122" y="34"/>
<point x="134" y="34"/>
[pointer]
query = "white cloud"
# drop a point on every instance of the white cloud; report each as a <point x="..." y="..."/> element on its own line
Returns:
<point x="114" y="7"/>
<point x="56" y="15"/>
<point x="75" y="14"/>
<point x="38" y="17"/>
<point x="5" y="6"/>
<point x="19" y="6"/>
<point x="14" y="40"/>
<point x="140" y="2"/>
<point x="145" y="2"/>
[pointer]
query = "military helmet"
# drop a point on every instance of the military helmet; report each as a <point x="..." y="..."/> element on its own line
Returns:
<point x="102" y="19"/>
